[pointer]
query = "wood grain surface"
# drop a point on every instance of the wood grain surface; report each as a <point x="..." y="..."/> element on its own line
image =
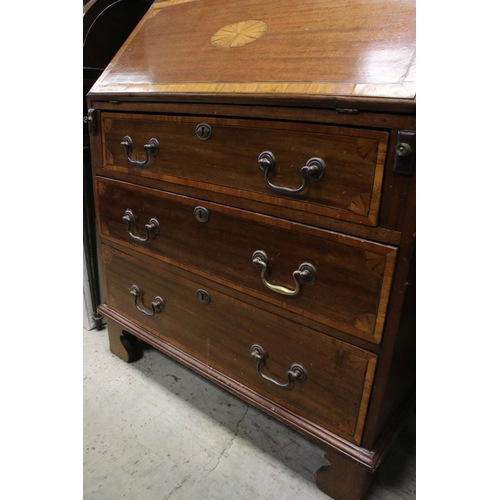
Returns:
<point x="363" y="48"/>
<point x="227" y="161"/>
<point x="354" y="276"/>
<point x="339" y="376"/>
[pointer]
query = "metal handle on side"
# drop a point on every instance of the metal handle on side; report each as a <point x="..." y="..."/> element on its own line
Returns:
<point x="305" y="273"/>
<point x="296" y="372"/>
<point x="152" y="229"/>
<point x="314" y="169"/>
<point x="150" y="149"/>
<point x="403" y="149"/>
<point x="157" y="305"/>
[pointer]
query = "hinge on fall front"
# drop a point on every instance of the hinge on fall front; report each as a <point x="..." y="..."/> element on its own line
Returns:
<point x="91" y="120"/>
<point x="347" y="111"/>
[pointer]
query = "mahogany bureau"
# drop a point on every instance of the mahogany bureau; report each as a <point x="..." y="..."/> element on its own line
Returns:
<point x="254" y="178"/>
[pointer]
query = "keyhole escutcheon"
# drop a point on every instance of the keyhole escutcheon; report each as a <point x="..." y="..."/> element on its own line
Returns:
<point x="203" y="131"/>
<point x="201" y="214"/>
<point x="203" y="296"/>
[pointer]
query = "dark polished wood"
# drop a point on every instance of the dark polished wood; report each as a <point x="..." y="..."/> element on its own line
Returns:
<point x="344" y="478"/>
<point x="293" y="57"/>
<point x="353" y="275"/>
<point x="299" y="79"/>
<point x="371" y="458"/>
<point x="396" y="376"/>
<point x="335" y="392"/>
<point x="328" y="113"/>
<point x="89" y="237"/>
<point x="121" y="343"/>
<point x="227" y="161"/>
<point x="380" y="234"/>
<point x="243" y="296"/>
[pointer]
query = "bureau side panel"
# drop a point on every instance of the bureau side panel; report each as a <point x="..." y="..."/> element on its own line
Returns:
<point x="395" y="378"/>
<point x="95" y="142"/>
<point x="397" y="195"/>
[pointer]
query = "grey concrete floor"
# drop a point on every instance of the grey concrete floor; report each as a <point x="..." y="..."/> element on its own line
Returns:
<point x="154" y="430"/>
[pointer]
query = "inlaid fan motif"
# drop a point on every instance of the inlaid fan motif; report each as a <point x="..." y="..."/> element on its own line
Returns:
<point x="366" y="323"/>
<point x="238" y="34"/>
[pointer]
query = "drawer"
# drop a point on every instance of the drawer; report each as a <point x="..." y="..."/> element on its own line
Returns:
<point x="337" y="280"/>
<point x="338" y="377"/>
<point x="342" y="178"/>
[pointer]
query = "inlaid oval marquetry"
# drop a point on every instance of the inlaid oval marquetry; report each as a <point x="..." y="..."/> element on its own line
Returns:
<point x="238" y="34"/>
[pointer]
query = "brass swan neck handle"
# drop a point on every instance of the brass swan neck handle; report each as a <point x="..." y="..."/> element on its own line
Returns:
<point x="306" y="273"/>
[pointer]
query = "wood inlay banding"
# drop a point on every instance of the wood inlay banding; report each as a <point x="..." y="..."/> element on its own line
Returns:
<point x="357" y="363"/>
<point x="109" y="157"/>
<point x="375" y="262"/>
<point x="367" y="149"/>
<point x="104" y="228"/>
<point x="170" y="3"/>
<point x="107" y="256"/>
<point x="365" y="323"/>
<point x="360" y="203"/>
<point x="347" y="426"/>
<point x="108" y="125"/>
<point x="238" y="34"/>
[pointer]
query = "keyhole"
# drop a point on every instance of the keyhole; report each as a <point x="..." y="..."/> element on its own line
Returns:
<point x="203" y="296"/>
<point x="203" y="131"/>
<point x="201" y="214"/>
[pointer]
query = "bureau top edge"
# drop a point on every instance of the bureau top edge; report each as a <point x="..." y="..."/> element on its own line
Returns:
<point x="328" y="103"/>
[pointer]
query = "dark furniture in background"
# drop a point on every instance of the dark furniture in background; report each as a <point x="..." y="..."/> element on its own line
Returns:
<point x="106" y="26"/>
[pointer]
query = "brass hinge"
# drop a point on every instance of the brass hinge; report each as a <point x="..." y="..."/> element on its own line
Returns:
<point x="347" y="111"/>
<point x="91" y="120"/>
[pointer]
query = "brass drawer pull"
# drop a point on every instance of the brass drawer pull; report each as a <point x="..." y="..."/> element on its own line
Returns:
<point x="296" y="372"/>
<point x="157" y="306"/>
<point x="152" y="229"/>
<point x="151" y="149"/>
<point x="305" y="273"/>
<point x="314" y="169"/>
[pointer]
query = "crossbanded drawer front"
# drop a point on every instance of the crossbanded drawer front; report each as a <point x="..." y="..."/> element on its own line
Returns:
<point x="340" y="281"/>
<point x="223" y="332"/>
<point x="327" y="170"/>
